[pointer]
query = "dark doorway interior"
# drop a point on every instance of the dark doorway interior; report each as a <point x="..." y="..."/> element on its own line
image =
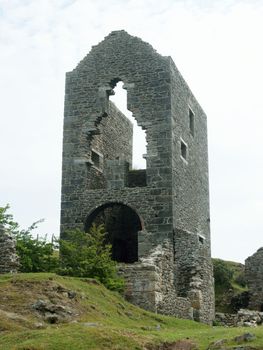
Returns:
<point x="122" y="225"/>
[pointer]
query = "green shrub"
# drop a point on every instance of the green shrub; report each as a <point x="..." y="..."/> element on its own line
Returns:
<point x="223" y="274"/>
<point x="87" y="255"/>
<point x="241" y="279"/>
<point x="7" y="220"/>
<point x="35" y="255"/>
<point x="81" y="254"/>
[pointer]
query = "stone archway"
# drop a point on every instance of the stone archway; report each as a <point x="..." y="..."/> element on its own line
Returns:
<point x="122" y="225"/>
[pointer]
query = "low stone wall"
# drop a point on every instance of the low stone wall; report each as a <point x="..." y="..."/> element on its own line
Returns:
<point x="9" y="261"/>
<point x="143" y="288"/>
<point x="148" y="285"/>
<point x="142" y="285"/>
<point x="173" y="305"/>
<point x="243" y="318"/>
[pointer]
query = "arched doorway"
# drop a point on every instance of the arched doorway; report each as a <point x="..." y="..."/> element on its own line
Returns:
<point x="122" y="225"/>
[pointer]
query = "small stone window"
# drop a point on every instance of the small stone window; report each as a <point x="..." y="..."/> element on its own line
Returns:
<point x="183" y="150"/>
<point x="201" y="239"/>
<point x="96" y="159"/>
<point x="191" y="122"/>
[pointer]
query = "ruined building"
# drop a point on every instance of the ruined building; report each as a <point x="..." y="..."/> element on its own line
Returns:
<point x="157" y="218"/>
<point x="9" y="262"/>
<point x="254" y="278"/>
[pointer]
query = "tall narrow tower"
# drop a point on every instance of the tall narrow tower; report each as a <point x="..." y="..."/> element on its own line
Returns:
<point x="157" y="219"/>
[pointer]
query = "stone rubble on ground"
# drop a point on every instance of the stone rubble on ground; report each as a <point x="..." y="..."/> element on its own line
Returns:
<point x="52" y="313"/>
<point x="243" y="318"/>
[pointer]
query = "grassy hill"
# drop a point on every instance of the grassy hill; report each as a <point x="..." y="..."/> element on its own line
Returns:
<point x="230" y="286"/>
<point x="46" y="311"/>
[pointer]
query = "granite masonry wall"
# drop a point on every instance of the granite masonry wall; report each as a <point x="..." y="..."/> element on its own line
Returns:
<point x="172" y="273"/>
<point x="9" y="262"/>
<point x="254" y="277"/>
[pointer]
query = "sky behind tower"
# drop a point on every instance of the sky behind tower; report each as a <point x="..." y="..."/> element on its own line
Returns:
<point x="217" y="47"/>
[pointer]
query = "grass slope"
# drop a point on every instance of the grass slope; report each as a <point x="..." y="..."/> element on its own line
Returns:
<point x="226" y="296"/>
<point x="116" y="325"/>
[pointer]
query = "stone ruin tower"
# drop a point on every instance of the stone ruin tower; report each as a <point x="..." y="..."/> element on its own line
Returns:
<point x="157" y="219"/>
<point x="9" y="262"/>
<point x="254" y="278"/>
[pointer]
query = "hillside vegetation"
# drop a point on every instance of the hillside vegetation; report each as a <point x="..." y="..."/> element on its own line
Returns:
<point x="231" y="292"/>
<point x="43" y="311"/>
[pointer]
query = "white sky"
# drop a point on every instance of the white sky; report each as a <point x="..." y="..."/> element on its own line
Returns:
<point x="139" y="145"/>
<point x="217" y="46"/>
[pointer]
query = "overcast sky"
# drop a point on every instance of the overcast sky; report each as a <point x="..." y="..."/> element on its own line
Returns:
<point x="217" y="46"/>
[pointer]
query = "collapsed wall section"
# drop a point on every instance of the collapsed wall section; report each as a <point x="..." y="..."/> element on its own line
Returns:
<point x="113" y="141"/>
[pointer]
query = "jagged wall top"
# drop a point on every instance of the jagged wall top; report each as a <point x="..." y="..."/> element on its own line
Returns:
<point x="131" y="44"/>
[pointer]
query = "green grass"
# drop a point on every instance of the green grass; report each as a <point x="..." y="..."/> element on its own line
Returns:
<point x="120" y="325"/>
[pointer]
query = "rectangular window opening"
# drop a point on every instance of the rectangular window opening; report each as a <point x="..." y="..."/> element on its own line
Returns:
<point x="95" y="158"/>
<point x="191" y="121"/>
<point x="183" y="150"/>
<point x="201" y="239"/>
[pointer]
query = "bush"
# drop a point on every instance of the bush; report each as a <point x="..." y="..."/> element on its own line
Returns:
<point x="223" y="274"/>
<point x="87" y="255"/>
<point x="81" y="254"/>
<point x="241" y="279"/>
<point x="7" y="220"/>
<point x="35" y="255"/>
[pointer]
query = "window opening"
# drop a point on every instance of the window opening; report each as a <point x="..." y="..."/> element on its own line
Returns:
<point x="95" y="158"/>
<point x="139" y="135"/>
<point x="201" y="239"/>
<point x="183" y="150"/>
<point x="191" y="121"/>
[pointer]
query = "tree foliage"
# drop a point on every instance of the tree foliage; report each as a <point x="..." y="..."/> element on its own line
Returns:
<point x="223" y="274"/>
<point x="35" y="254"/>
<point x="7" y="220"/>
<point x="81" y="254"/>
<point x="87" y="255"/>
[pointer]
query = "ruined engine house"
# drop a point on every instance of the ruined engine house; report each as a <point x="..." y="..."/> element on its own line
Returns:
<point x="157" y="218"/>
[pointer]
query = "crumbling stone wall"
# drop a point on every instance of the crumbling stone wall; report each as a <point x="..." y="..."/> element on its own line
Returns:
<point x="173" y="274"/>
<point x="9" y="261"/>
<point x="243" y="318"/>
<point x="254" y="277"/>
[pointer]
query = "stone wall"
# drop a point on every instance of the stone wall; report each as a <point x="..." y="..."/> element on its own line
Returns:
<point x="9" y="262"/>
<point x="243" y="318"/>
<point x="142" y="284"/>
<point x="145" y="286"/>
<point x="254" y="277"/>
<point x="194" y="271"/>
<point x="173" y="274"/>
